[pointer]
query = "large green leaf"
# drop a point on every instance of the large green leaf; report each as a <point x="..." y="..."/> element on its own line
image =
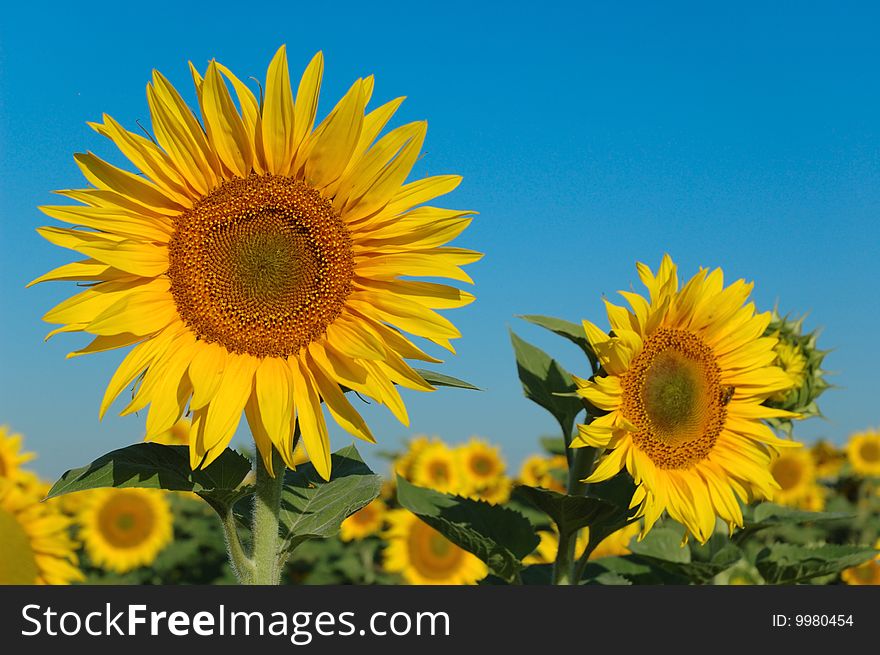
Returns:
<point x="790" y="564"/>
<point x="499" y="536"/>
<point x="314" y="508"/>
<point x="569" y="513"/>
<point x="571" y="331"/>
<point x="155" y="466"/>
<point x="441" y="380"/>
<point x="542" y="378"/>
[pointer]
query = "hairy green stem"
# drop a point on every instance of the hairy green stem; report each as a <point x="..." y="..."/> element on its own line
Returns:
<point x="564" y="570"/>
<point x="267" y="505"/>
<point x="241" y="563"/>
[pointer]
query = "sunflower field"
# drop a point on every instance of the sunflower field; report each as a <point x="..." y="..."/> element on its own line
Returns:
<point x="259" y="263"/>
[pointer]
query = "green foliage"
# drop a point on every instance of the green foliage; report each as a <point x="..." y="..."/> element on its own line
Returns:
<point x="569" y="513"/>
<point x="156" y="466"/>
<point x="768" y="515"/>
<point x="499" y="536"/>
<point x="571" y="331"/>
<point x="441" y="380"/>
<point x="791" y="564"/>
<point x="314" y="508"/>
<point x="543" y="380"/>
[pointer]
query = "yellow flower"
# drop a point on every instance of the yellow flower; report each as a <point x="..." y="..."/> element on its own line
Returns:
<point x="365" y="522"/>
<point x="791" y="360"/>
<point x="495" y="493"/>
<point x="795" y="474"/>
<point x="424" y="556"/>
<point x="481" y="463"/>
<point x="123" y="529"/>
<point x="813" y="500"/>
<point x="403" y="465"/>
<point x="616" y="544"/>
<point x="438" y="468"/>
<point x="827" y="458"/>
<point x="11" y="455"/>
<point x="255" y="261"/>
<point x="538" y="471"/>
<point x="684" y="375"/>
<point x="863" y="574"/>
<point x="177" y="435"/>
<point x="35" y="547"/>
<point x="863" y="451"/>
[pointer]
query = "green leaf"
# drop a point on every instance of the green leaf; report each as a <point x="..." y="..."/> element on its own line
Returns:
<point x="553" y="445"/>
<point x="789" y="564"/>
<point x="155" y="466"/>
<point x="768" y="515"/>
<point x="697" y="564"/>
<point x="570" y="513"/>
<point x="663" y="543"/>
<point x="571" y="331"/>
<point x="541" y="378"/>
<point x="314" y="508"/>
<point x="440" y="380"/>
<point x="499" y="536"/>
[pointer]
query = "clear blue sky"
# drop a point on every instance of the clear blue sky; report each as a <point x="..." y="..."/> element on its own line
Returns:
<point x="589" y="136"/>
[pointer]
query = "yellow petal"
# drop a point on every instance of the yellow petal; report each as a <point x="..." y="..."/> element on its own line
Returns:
<point x="225" y="128"/>
<point x="307" y="100"/>
<point x="331" y="145"/>
<point x="274" y="394"/>
<point x="311" y="419"/>
<point x="278" y="115"/>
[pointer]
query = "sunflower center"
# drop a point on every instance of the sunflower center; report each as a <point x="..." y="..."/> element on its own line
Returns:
<point x="261" y="265"/>
<point x="432" y="554"/>
<point x="672" y="393"/>
<point x="481" y="466"/>
<point x="17" y="564"/>
<point x="787" y="473"/>
<point x="870" y="451"/>
<point x="439" y="471"/>
<point x="126" y="521"/>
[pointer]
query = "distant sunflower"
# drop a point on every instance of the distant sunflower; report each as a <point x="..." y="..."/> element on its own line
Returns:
<point x="365" y="522"/>
<point x="863" y="574"/>
<point x="403" y="465"/>
<point x="496" y="492"/>
<point x="542" y="471"/>
<point x="827" y="458"/>
<point x="255" y="262"/>
<point x="863" y="451"/>
<point x="36" y="547"/>
<point x="11" y="455"/>
<point x="123" y="529"/>
<point x="682" y="381"/>
<point x="437" y="467"/>
<point x="795" y="474"/>
<point x="423" y="556"/>
<point x="177" y="435"/>
<point x="481" y="463"/>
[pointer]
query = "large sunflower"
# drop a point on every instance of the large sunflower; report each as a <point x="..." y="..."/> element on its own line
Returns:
<point x="36" y="547"/>
<point x="255" y="261"/>
<point x="123" y="529"/>
<point x="683" y="377"/>
<point x="424" y="556"/>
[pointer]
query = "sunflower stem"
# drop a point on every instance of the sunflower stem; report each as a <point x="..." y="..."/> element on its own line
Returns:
<point x="565" y="568"/>
<point x="267" y="505"/>
<point x="242" y="565"/>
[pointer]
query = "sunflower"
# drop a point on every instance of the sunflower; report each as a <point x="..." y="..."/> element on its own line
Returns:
<point x="123" y="529"/>
<point x="36" y="547"/>
<point x="11" y="455"/>
<point x="683" y="377"/>
<point x="615" y="544"/>
<point x="863" y="451"/>
<point x="255" y="262"/>
<point x="437" y="467"/>
<point x="791" y="360"/>
<point x="827" y="458"/>
<point x="495" y="493"/>
<point x="424" y="556"/>
<point x="365" y="522"/>
<point x="481" y="463"/>
<point x="863" y="574"/>
<point x="403" y="465"/>
<point x="177" y="435"/>
<point x="546" y="472"/>
<point x="795" y="474"/>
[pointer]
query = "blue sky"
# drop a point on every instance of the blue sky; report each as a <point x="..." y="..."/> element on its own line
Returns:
<point x="590" y="136"/>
